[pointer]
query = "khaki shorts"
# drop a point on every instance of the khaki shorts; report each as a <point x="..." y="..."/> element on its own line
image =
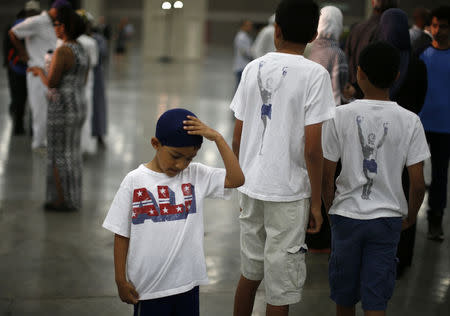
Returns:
<point x="273" y="246"/>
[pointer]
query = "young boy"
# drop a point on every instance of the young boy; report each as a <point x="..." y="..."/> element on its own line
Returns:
<point x="280" y="105"/>
<point x="157" y="218"/>
<point x="374" y="138"/>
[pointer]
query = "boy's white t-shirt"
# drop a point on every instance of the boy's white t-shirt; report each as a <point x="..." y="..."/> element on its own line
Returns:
<point x="284" y="93"/>
<point x="390" y="137"/>
<point x="163" y="217"/>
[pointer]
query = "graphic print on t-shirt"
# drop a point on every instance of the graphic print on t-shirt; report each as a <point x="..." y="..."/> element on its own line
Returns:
<point x="267" y="90"/>
<point x="145" y="205"/>
<point x="369" y="151"/>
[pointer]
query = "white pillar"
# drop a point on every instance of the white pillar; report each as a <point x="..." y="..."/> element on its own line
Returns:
<point x="174" y="33"/>
<point x="94" y="7"/>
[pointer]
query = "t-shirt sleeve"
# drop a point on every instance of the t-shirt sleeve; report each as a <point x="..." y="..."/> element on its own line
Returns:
<point x="418" y="148"/>
<point x="27" y="28"/>
<point x="330" y="141"/>
<point x="320" y="105"/>
<point x="118" y="219"/>
<point x="213" y="182"/>
<point x="238" y="103"/>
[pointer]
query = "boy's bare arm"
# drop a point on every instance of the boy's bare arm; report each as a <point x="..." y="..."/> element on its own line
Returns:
<point x="127" y="292"/>
<point x="237" y="137"/>
<point x="416" y="193"/>
<point x="329" y="169"/>
<point x="314" y="165"/>
<point x="234" y="176"/>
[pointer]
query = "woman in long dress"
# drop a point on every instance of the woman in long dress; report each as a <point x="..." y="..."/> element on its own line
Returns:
<point x="66" y="114"/>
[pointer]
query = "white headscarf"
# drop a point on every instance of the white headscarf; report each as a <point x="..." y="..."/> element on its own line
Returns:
<point x="330" y="23"/>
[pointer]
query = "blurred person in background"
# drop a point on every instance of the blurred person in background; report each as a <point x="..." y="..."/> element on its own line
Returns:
<point x="361" y="35"/>
<point x="99" y="114"/>
<point x="435" y="116"/>
<point x="17" y="70"/>
<point x="325" y="50"/>
<point x="242" y="49"/>
<point x="418" y="36"/>
<point x="88" y="144"/>
<point x="39" y="36"/>
<point x="66" y="79"/>
<point x="264" y="41"/>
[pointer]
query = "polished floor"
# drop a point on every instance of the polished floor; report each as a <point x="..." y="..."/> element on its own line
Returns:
<point x="62" y="264"/>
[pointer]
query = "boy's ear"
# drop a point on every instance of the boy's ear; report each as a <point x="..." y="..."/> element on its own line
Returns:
<point x="278" y="34"/>
<point x="360" y="74"/>
<point x="155" y="143"/>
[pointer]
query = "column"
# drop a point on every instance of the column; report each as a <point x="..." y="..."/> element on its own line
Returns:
<point x="176" y="33"/>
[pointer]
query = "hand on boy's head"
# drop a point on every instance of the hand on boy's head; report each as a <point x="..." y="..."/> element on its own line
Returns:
<point x="194" y="126"/>
<point x="127" y="293"/>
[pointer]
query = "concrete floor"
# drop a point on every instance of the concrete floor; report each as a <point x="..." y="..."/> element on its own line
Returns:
<point x="62" y="264"/>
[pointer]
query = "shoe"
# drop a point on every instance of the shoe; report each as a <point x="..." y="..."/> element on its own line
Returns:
<point x="435" y="231"/>
<point x="62" y="207"/>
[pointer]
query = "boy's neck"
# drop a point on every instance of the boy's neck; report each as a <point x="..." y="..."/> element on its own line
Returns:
<point x="376" y="94"/>
<point x="291" y="48"/>
<point x="152" y="165"/>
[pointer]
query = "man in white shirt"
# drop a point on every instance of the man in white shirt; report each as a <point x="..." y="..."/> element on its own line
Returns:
<point x="40" y="37"/>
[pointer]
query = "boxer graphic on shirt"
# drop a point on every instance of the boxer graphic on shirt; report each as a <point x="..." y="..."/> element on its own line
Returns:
<point x="369" y="150"/>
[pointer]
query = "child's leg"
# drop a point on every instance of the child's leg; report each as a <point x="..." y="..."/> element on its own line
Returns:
<point x="378" y="264"/>
<point x="345" y="262"/>
<point x="245" y="296"/>
<point x="345" y="310"/>
<point x="253" y="237"/>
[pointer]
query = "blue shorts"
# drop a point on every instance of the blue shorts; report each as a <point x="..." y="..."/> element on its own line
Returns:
<point x="183" y="304"/>
<point x="363" y="261"/>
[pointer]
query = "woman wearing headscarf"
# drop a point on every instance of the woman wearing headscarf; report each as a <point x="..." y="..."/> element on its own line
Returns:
<point x="410" y="88"/>
<point x="409" y="92"/>
<point x="325" y="50"/>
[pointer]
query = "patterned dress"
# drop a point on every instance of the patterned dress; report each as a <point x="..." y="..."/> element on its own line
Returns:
<point x="66" y="114"/>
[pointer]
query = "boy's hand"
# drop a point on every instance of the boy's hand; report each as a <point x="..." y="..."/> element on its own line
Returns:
<point x="196" y="127"/>
<point x="315" y="220"/>
<point x="407" y="223"/>
<point x="127" y="292"/>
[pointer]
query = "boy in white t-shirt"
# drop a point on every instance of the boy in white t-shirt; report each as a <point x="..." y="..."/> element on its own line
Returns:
<point x="279" y="106"/>
<point x="374" y="138"/>
<point x="157" y="218"/>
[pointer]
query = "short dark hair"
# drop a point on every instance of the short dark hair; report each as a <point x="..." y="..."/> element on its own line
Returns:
<point x="73" y="23"/>
<point x="380" y="62"/>
<point x="441" y="13"/>
<point x="298" y="20"/>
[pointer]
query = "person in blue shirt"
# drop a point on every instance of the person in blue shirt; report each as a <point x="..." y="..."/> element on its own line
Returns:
<point x="435" y="116"/>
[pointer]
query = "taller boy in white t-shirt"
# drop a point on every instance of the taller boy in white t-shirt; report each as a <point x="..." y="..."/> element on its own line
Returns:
<point x="280" y="105"/>
<point x="157" y="218"/>
<point x="374" y="138"/>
